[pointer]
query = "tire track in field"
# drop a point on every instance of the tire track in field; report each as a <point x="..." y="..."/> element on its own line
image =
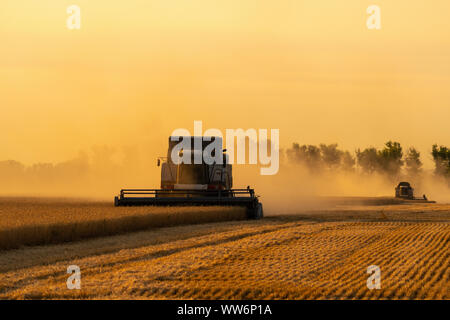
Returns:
<point x="399" y="272"/>
<point x="400" y="237"/>
<point x="392" y="250"/>
<point x="385" y="253"/>
<point x="419" y="256"/>
<point x="197" y="289"/>
<point x="98" y="271"/>
<point x="139" y="255"/>
<point x="288" y="260"/>
<point x="236" y="274"/>
<point x="392" y="253"/>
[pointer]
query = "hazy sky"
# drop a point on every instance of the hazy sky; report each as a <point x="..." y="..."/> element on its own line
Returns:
<point x="137" y="70"/>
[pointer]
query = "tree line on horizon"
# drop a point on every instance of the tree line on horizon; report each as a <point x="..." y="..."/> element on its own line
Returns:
<point x="391" y="160"/>
<point x="99" y="168"/>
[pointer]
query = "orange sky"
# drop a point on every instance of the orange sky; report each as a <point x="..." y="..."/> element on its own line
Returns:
<point x="138" y="69"/>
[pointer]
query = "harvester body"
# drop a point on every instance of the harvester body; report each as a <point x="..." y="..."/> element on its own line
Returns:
<point x="195" y="176"/>
<point x="194" y="182"/>
<point x="404" y="190"/>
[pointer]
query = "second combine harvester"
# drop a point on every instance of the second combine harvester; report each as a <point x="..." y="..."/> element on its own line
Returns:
<point x="190" y="184"/>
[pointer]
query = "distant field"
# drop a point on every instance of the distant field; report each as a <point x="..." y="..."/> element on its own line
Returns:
<point x="33" y="221"/>
<point x="321" y="254"/>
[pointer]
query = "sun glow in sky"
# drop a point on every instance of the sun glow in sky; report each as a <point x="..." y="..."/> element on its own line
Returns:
<point x="137" y="70"/>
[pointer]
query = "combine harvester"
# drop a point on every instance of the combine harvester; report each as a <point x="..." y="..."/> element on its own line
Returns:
<point x="194" y="184"/>
<point x="405" y="192"/>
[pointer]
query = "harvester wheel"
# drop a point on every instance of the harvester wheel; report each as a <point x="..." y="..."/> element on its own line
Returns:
<point x="257" y="211"/>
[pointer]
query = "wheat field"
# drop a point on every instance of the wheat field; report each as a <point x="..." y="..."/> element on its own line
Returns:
<point x="38" y="221"/>
<point x="322" y="254"/>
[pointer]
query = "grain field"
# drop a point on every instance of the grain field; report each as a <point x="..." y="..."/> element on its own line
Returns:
<point x="309" y="255"/>
<point x="39" y="221"/>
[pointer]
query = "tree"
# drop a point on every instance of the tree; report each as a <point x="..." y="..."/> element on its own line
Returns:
<point x="322" y="157"/>
<point x="335" y="159"/>
<point x="347" y="161"/>
<point x="441" y="157"/>
<point x="308" y="155"/>
<point x="367" y="159"/>
<point x="387" y="161"/>
<point x="11" y="170"/>
<point x="331" y="155"/>
<point x="413" y="163"/>
<point x="390" y="158"/>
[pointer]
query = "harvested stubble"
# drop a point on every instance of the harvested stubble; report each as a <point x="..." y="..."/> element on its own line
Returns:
<point x="273" y="258"/>
<point x="25" y="221"/>
<point x="308" y="255"/>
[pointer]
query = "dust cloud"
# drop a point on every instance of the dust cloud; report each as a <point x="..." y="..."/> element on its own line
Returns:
<point x="295" y="188"/>
<point x="102" y="171"/>
<point x="99" y="173"/>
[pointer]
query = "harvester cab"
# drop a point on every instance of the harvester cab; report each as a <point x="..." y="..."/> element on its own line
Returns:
<point x="194" y="182"/>
<point x="404" y="190"/>
<point x="196" y="175"/>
